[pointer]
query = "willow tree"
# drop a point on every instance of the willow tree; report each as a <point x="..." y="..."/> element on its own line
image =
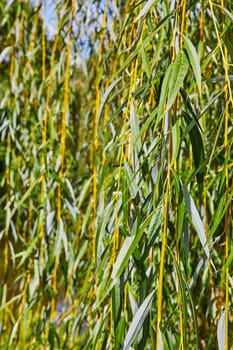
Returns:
<point x="116" y="225"/>
<point x="162" y="177"/>
<point x="44" y="167"/>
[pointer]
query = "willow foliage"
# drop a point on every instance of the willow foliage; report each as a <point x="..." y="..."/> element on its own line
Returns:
<point x="116" y="177"/>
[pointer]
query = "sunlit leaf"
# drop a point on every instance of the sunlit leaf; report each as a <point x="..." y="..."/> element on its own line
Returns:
<point x="105" y="96"/>
<point x="225" y="10"/>
<point x="132" y="184"/>
<point x="221" y="331"/>
<point x="127" y="249"/>
<point x="178" y="73"/>
<point x="194" y="60"/>
<point x="137" y="321"/>
<point x="5" y="53"/>
<point x="175" y="141"/>
<point x="164" y="91"/>
<point x="195" y="218"/>
<point x="146" y="8"/>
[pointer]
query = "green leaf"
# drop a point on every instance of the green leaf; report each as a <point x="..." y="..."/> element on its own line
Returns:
<point x="11" y="301"/>
<point x="195" y="218"/>
<point x="178" y="73"/>
<point x="105" y="97"/>
<point x="127" y="249"/>
<point x="13" y="332"/>
<point x="227" y="38"/>
<point x="226" y="266"/>
<point x="184" y="301"/>
<point x="52" y="336"/>
<point x="197" y="149"/>
<point x="225" y="10"/>
<point x="103" y="220"/>
<point x="124" y="255"/>
<point x="164" y="92"/>
<point x="194" y="60"/>
<point x="175" y="141"/>
<point x="133" y="187"/>
<point x="25" y="196"/>
<point x="119" y="322"/>
<point x="146" y="63"/>
<point x="5" y="53"/>
<point x="84" y="192"/>
<point x="144" y="43"/>
<point x="221" y="331"/>
<point x="183" y="280"/>
<point x="97" y="329"/>
<point x="26" y="253"/>
<point x="134" y="124"/>
<point x="146" y="8"/>
<point x="138" y="320"/>
<point x="218" y="215"/>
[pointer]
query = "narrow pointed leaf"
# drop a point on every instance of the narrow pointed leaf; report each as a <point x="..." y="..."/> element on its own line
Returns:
<point x="175" y="141"/>
<point x="197" y="148"/>
<point x="123" y="256"/>
<point x="127" y="249"/>
<point x="196" y="220"/>
<point x="5" y="53"/>
<point x="221" y="331"/>
<point x="224" y="9"/>
<point x="105" y="97"/>
<point x="133" y="188"/>
<point x="194" y="60"/>
<point x="164" y="92"/>
<point x="138" y="320"/>
<point x="146" y="63"/>
<point x="134" y="124"/>
<point x="146" y="8"/>
<point x="179" y="71"/>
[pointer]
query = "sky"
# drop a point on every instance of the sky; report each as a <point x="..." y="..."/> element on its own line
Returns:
<point x="50" y="16"/>
<point x="87" y="21"/>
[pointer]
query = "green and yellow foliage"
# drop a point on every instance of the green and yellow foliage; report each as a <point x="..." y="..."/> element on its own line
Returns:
<point x="116" y="176"/>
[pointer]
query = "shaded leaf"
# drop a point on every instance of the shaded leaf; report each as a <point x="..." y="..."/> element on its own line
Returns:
<point x="146" y="63"/>
<point x="225" y="10"/>
<point x="197" y="149"/>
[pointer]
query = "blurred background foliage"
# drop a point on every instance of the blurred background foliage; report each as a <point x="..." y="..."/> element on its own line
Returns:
<point x="116" y="175"/>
